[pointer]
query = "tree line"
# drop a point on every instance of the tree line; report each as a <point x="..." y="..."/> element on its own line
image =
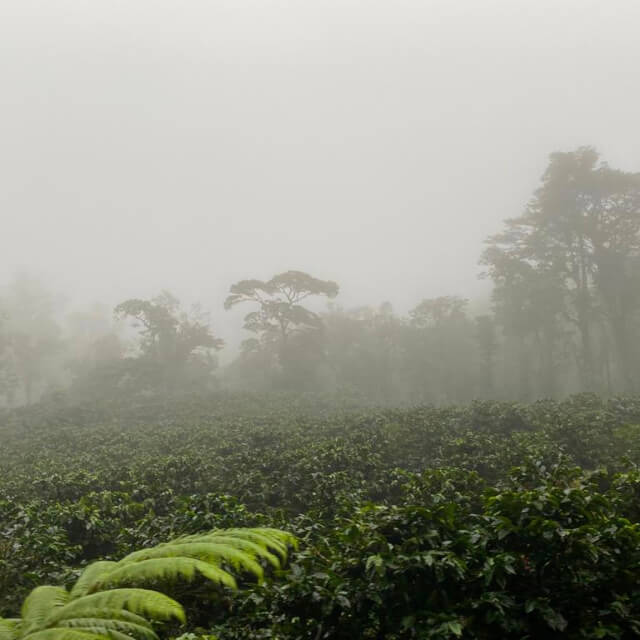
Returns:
<point x="564" y="316"/>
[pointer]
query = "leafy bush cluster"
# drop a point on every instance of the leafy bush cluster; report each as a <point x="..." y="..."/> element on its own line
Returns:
<point x="487" y="521"/>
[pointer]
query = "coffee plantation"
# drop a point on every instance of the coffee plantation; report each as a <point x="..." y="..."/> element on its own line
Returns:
<point x="490" y="520"/>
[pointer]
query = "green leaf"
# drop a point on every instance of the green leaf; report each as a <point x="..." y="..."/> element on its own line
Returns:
<point x="144" y="602"/>
<point x="163" y="570"/>
<point x="40" y="603"/>
<point x="8" y="628"/>
<point x="89" y="576"/>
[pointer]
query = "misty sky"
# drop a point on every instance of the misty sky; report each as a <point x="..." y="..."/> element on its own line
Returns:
<point x="188" y="144"/>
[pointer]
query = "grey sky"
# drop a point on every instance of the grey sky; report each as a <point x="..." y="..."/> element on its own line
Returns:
<point x="188" y="144"/>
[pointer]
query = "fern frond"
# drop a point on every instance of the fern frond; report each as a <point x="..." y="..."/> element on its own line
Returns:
<point x="277" y="535"/>
<point x="163" y="570"/>
<point x="107" y="603"/>
<point x="100" y="613"/>
<point x="89" y="576"/>
<point x="9" y="628"/>
<point x="63" y="634"/>
<point x="242" y="549"/>
<point x="252" y="548"/>
<point x="264" y="536"/>
<point x="144" y="602"/>
<point x="213" y="553"/>
<point x="272" y="539"/>
<point x="132" y="630"/>
<point x="269" y="538"/>
<point x="40" y="603"/>
<point x="105" y="633"/>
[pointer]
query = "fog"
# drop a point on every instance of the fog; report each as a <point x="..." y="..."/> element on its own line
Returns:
<point x="186" y="146"/>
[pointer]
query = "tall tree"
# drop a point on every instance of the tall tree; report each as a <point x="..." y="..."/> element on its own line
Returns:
<point x="363" y="350"/>
<point x="579" y="238"/>
<point x="440" y="349"/>
<point x="95" y="352"/>
<point x="528" y="299"/>
<point x="32" y="335"/>
<point x="280" y="316"/>
<point x="173" y="343"/>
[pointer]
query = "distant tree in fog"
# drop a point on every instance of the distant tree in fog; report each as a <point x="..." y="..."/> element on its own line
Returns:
<point x="95" y="350"/>
<point x="439" y="350"/>
<point x="282" y="324"/>
<point x="174" y="347"/>
<point x="363" y="349"/>
<point x="31" y="338"/>
<point x="438" y="312"/>
<point x="488" y="347"/>
<point x="8" y="378"/>
<point x="571" y="264"/>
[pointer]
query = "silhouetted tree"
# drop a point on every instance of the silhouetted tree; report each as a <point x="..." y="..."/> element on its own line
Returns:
<point x="529" y="300"/>
<point x="95" y="352"/>
<point x="439" y="348"/>
<point x="173" y="345"/>
<point x="574" y="255"/>
<point x="363" y="350"/>
<point x="280" y="318"/>
<point x="32" y="336"/>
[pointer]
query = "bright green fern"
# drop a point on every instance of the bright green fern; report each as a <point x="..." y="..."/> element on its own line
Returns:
<point x="110" y="601"/>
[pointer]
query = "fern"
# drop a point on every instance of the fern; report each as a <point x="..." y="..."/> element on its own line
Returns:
<point x="102" y="614"/>
<point x="163" y="570"/>
<point x="89" y="576"/>
<point x="108" y="602"/>
<point x="65" y="634"/>
<point x="211" y="552"/>
<point x="143" y="602"/>
<point x="131" y="629"/>
<point x="92" y="619"/>
<point x="273" y="539"/>
<point x="40" y="603"/>
<point x="9" y="628"/>
<point x="185" y="558"/>
<point x="113" y="614"/>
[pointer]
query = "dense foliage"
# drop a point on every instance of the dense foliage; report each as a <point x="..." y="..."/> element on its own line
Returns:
<point x="491" y="520"/>
<point x="113" y="600"/>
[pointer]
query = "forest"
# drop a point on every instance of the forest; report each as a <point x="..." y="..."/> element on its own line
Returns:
<point x="563" y="317"/>
<point x="467" y="470"/>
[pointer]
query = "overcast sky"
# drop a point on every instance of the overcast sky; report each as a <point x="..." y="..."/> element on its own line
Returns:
<point x="191" y="143"/>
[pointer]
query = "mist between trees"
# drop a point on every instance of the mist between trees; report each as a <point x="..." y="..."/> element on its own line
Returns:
<point x="564" y="317"/>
